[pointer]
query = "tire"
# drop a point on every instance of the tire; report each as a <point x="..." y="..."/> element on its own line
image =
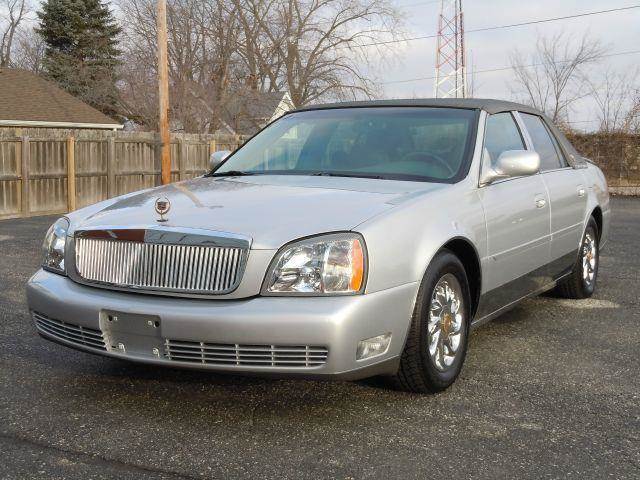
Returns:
<point x="421" y="371"/>
<point x="580" y="284"/>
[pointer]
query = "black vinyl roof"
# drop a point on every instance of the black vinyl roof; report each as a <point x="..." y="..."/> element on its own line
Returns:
<point x="487" y="104"/>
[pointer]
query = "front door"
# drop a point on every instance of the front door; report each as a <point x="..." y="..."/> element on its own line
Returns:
<point x="518" y="224"/>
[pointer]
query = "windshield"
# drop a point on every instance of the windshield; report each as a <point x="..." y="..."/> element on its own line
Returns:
<point x="403" y="143"/>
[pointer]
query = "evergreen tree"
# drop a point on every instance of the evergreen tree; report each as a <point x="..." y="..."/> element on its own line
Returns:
<point x="82" y="50"/>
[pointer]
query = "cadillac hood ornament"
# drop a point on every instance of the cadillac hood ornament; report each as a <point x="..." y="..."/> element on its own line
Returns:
<point x="163" y="205"/>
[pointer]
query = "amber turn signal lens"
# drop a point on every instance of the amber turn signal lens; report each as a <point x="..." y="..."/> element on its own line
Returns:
<point x="357" y="266"/>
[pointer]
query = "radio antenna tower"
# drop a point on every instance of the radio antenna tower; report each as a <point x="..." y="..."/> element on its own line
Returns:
<point x="450" y="81"/>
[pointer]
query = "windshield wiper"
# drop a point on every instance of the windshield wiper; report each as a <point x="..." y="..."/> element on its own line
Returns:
<point x="230" y="173"/>
<point x="348" y="175"/>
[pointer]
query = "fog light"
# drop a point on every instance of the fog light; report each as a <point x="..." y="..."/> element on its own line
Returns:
<point x="373" y="346"/>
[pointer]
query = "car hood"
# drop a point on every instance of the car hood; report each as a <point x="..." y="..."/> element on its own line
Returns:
<point x="271" y="210"/>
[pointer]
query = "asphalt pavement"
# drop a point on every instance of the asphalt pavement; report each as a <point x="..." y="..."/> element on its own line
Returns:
<point x="550" y="389"/>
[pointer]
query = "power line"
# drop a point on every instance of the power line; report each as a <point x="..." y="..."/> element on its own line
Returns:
<point x="510" y="25"/>
<point x="582" y="121"/>
<point x="501" y="69"/>
<point x="419" y="4"/>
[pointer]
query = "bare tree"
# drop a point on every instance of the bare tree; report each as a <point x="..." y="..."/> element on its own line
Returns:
<point x="202" y="56"/>
<point x="632" y="119"/>
<point x="553" y="77"/>
<point x="220" y="49"/>
<point x="614" y="95"/>
<point x="29" y="51"/>
<point x="16" y="13"/>
<point x="318" y="43"/>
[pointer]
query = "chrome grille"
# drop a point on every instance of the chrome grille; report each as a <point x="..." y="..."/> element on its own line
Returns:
<point x="148" y="266"/>
<point x="87" y="337"/>
<point x="250" y="355"/>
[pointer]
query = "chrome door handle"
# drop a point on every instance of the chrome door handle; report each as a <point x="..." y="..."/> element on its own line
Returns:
<point x="541" y="202"/>
<point x="581" y="191"/>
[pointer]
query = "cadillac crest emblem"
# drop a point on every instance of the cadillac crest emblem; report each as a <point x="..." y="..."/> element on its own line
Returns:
<point x="163" y="205"/>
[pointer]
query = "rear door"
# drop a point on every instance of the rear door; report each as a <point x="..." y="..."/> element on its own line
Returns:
<point x="567" y="194"/>
<point x="517" y="218"/>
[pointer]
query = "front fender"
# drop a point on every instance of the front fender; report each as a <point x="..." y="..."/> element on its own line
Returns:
<point x="402" y="242"/>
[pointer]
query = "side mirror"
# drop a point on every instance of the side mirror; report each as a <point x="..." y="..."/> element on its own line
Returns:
<point x="512" y="163"/>
<point x="217" y="158"/>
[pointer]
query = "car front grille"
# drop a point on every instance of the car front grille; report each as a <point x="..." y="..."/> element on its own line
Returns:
<point x="148" y="266"/>
<point x="79" y="335"/>
<point x="246" y="355"/>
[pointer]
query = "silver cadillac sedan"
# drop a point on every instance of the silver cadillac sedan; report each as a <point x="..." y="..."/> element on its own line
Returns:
<point x="342" y="241"/>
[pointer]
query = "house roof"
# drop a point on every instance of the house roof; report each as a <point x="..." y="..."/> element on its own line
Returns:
<point x="29" y="100"/>
<point x="248" y="111"/>
<point x="487" y="104"/>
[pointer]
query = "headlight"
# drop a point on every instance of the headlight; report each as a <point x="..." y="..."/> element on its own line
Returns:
<point x="53" y="246"/>
<point x="331" y="264"/>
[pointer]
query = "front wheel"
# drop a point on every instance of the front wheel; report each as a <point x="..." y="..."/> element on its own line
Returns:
<point x="437" y="341"/>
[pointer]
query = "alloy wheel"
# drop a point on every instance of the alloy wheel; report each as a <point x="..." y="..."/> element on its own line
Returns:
<point x="589" y="258"/>
<point x="445" y="326"/>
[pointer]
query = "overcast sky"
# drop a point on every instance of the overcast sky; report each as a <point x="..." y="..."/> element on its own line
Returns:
<point x="618" y="31"/>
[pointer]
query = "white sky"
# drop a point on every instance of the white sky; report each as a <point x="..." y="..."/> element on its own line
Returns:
<point x="618" y="31"/>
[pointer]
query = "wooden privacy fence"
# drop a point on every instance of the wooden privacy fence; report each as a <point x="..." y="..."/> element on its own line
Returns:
<point x="48" y="171"/>
<point x="55" y="171"/>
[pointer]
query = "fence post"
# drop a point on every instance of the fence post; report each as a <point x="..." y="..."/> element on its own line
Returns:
<point x="182" y="152"/>
<point x="111" y="166"/>
<point x="71" y="174"/>
<point x="212" y="147"/>
<point x="25" y="154"/>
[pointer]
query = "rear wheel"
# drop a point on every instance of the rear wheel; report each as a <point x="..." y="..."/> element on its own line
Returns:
<point x="437" y="342"/>
<point x="582" y="281"/>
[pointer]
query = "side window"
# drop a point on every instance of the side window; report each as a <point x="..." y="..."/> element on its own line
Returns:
<point x="501" y="134"/>
<point x="542" y="142"/>
<point x="563" y="160"/>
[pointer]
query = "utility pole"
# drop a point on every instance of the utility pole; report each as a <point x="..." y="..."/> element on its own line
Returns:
<point x="163" y="89"/>
<point x="450" y="57"/>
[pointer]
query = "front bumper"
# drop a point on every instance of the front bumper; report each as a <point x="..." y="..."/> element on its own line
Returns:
<point x="334" y="323"/>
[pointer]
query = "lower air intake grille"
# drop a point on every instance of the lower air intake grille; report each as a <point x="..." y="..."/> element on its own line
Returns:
<point x="86" y="337"/>
<point x="249" y="355"/>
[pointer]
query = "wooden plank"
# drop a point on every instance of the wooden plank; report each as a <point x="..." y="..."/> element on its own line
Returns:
<point x="111" y="168"/>
<point x="25" y="176"/>
<point x="183" y="158"/>
<point x="10" y="180"/>
<point x="71" y="174"/>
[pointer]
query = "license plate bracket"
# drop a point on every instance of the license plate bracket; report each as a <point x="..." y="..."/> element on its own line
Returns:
<point x="131" y="333"/>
